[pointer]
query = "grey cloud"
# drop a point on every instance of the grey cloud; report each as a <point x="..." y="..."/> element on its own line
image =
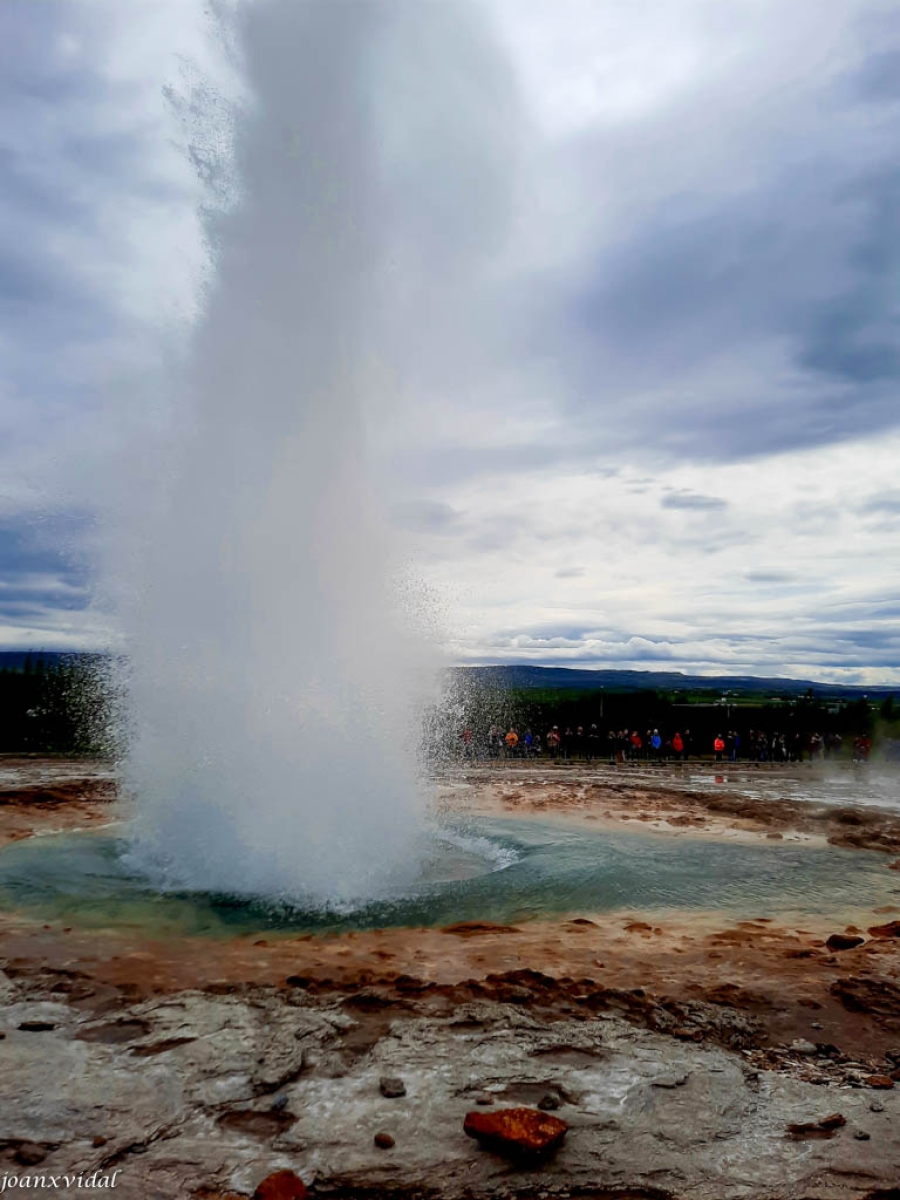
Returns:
<point x="69" y="169"/>
<point x="855" y="336"/>
<point x="753" y="318"/>
<point x="41" y="569"/>
<point x="879" y="78"/>
<point x="427" y="516"/>
<point x="887" y="503"/>
<point x="693" y="500"/>
<point x="569" y="573"/>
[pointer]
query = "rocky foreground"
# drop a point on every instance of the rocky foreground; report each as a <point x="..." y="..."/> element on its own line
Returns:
<point x="205" y="1095"/>
<point x="687" y="1059"/>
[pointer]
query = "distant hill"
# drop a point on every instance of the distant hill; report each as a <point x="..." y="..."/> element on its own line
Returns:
<point x="612" y="680"/>
<point x="526" y="677"/>
<point x="16" y="660"/>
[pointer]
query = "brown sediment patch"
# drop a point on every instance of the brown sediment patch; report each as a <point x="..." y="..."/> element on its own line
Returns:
<point x="877" y="997"/>
<point x="661" y="800"/>
<point x="257" y="1124"/>
<point x="56" y="795"/>
<point x="754" y="985"/>
<point x="891" y="930"/>
<point x="52" y="802"/>
<point x="477" y="928"/>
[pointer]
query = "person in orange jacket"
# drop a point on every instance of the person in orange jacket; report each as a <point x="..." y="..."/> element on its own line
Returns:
<point x="719" y="747"/>
<point x="512" y="740"/>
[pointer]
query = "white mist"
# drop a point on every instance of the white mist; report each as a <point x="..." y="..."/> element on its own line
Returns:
<point x="274" y="684"/>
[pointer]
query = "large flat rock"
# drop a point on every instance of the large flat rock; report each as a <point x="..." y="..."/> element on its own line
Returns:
<point x="203" y="1091"/>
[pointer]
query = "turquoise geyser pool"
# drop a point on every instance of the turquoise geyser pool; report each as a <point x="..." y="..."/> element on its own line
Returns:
<point x="487" y="869"/>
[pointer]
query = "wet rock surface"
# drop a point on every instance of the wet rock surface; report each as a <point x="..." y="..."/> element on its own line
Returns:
<point x="258" y="1082"/>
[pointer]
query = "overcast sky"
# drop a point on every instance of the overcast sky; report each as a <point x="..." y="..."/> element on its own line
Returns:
<point x="669" y="428"/>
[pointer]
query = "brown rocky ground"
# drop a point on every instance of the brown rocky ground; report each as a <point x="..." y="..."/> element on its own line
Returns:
<point x="689" y="1057"/>
<point x="664" y="799"/>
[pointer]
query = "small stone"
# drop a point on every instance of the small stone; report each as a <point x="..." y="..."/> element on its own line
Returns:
<point x="893" y="1056"/>
<point x="383" y="1141"/>
<point x="279" y="1103"/>
<point x="843" y="941"/>
<point x="282" y="1185"/>
<point x="29" y="1154"/>
<point x="484" y="1099"/>
<point x="99" y="1141"/>
<point x="827" y="1050"/>
<point x="516" y="1132"/>
<point x="2" y="1036"/>
<point x="817" y="1025"/>
<point x="36" y="1026"/>
<point x="835" y="1121"/>
<point x="876" y="1106"/>
<point x="671" y="1080"/>
<point x="548" y="1103"/>
<point x="802" y="1046"/>
<point x="391" y="1087"/>
<point x="861" y="1135"/>
<point x="880" y="1081"/>
<point x="685" y="1034"/>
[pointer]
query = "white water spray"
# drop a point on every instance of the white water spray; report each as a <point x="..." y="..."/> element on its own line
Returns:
<point x="273" y="682"/>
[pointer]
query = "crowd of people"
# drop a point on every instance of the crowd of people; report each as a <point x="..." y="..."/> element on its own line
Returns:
<point x="587" y="744"/>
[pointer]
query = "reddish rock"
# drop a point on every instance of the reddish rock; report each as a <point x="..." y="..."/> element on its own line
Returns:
<point x="880" y="1081"/>
<point x="891" y="930"/>
<point x="516" y="1132"/>
<point x="826" y="1128"/>
<point x="29" y="1154"/>
<point x="843" y="941"/>
<point x="383" y="1141"/>
<point x="283" y="1185"/>
<point x="835" y="1121"/>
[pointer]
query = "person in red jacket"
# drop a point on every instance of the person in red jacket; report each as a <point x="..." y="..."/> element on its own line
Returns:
<point x="719" y="747"/>
<point x="677" y="747"/>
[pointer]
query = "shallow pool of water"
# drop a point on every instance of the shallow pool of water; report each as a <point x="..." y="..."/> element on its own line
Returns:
<point x="498" y="870"/>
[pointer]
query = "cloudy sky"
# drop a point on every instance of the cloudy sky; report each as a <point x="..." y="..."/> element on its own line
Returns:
<point x="656" y="418"/>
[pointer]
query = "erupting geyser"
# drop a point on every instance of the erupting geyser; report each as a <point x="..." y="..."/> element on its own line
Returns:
<point x="272" y="681"/>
